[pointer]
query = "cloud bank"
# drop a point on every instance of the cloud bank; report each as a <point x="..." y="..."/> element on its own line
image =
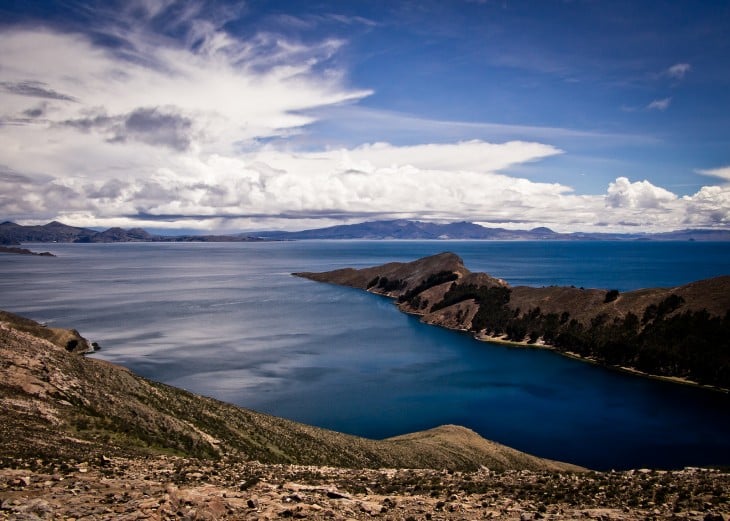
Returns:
<point x="193" y="133"/>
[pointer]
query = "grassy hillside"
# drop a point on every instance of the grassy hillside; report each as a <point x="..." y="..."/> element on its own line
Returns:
<point x="58" y="403"/>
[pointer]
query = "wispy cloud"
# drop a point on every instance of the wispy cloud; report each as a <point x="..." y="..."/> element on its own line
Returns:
<point x="34" y="89"/>
<point x="351" y="20"/>
<point x="678" y="70"/>
<point x="722" y="172"/>
<point x="659" y="104"/>
<point x="351" y="120"/>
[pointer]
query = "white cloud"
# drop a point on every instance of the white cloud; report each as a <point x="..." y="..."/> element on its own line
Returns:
<point x="710" y="206"/>
<point x="678" y="70"/>
<point x="474" y="155"/>
<point x="272" y="188"/>
<point x="622" y="193"/>
<point x="659" y="104"/>
<point x="722" y="172"/>
<point x="156" y="133"/>
<point x="230" y="91"/>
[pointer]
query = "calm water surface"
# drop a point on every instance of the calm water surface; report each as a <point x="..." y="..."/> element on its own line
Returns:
<point x="229" y="321"/>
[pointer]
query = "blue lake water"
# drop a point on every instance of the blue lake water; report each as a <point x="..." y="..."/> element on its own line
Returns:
<point x="229" y="321"/>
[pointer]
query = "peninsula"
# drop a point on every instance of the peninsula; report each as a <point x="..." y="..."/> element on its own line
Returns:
<point x="23" y="251"/>
<point x="680" y="333"/>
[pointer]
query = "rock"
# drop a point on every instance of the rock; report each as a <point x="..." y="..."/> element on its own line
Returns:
<point x="37" y="507"/>
<point x="20" y="482"/>
<point x="370" y="508"/>
<point x="333" y="494"/>
<point x="252" y="503"/>
<point x="713" y="517"/>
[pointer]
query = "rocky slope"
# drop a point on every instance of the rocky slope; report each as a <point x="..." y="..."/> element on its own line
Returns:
<point x="167" y="487"/>
<point x="679" y="332"/>
<point x="84" y="439"/>
<point x="68" y="339"/>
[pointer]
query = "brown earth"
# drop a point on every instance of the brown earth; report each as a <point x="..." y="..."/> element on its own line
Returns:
<point x="167" y="488"/>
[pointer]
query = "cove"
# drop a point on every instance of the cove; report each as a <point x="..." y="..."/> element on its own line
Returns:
<point x="229" y="321"/>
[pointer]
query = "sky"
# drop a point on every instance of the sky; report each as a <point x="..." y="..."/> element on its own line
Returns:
<point x="227" y="116"/>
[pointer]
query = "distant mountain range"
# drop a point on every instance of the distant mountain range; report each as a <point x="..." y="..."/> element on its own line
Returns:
<point x="405" y="229"/>
<point x="14" y="234"/>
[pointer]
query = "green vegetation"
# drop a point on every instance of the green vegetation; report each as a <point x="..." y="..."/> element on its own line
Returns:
<point x="692" y="344"/>
<point x="611" y="295"/>
<point x="389" y="285"/>
<point x="435" y="279"/>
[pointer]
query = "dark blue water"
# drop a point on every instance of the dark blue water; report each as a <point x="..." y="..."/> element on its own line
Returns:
<point x="229" y="321"/>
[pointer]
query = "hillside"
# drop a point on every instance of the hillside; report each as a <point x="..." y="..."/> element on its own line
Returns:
<point x="681" y="332"/>
<point x="84" y="439"/>
<point x="57" y="402"/>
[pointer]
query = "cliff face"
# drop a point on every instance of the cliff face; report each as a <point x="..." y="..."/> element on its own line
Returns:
<point x="55" y="402"/>
<point x="678" y="332"/>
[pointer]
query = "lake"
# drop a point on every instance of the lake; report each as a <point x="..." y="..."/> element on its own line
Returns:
<point x="229" y="321"/>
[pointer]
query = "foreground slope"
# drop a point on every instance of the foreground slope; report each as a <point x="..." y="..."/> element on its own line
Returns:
<point x="57" y="402"/>
<point x="681" y="332"/>
<point x="84" y="439"/>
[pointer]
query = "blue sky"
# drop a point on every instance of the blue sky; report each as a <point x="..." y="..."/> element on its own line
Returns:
<point x="577" y="115"/>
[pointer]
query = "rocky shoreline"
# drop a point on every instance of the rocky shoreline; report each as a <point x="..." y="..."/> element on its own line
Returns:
<point x="593" y="361"/>
<point x="24" y="251"/>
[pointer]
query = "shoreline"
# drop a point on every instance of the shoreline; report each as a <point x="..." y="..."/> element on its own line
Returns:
<point x="500" y="340"/>
<point x="575" y="356"/>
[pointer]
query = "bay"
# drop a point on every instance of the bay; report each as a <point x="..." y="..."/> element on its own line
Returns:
<point x="229" y="321"/>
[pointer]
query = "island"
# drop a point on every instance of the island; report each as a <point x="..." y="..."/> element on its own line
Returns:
<point x="680" y="333"/>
